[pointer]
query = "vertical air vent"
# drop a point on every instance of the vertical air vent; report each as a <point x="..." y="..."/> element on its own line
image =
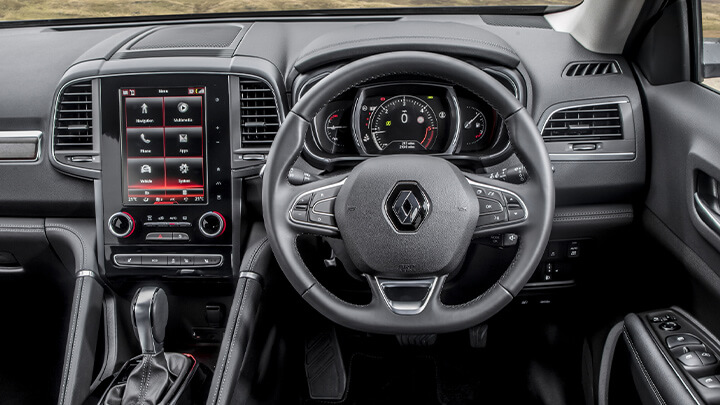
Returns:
<point x="590" y="122"/>
<point x="592" y="68"/>
<point x="73" y="119"/>
<point x="259" y="119"/>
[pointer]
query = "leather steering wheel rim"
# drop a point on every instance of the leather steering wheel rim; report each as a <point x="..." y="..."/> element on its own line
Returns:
<point x="537" y="192"/>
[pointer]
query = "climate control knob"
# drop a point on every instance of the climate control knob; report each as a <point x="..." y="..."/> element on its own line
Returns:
<point x="121" y="224"/>
<point x="212" y="224"/>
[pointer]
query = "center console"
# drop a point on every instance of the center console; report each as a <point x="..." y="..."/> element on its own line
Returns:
<point x="167" y="183"/>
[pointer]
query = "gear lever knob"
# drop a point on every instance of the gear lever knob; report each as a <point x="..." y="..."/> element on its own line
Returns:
<point x="149" y="318"/>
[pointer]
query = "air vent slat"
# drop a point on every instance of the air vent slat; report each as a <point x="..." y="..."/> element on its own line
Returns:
<point x="584" y="123"/>
<point x="259" y="118"/>
<point x="577" y="69"/>
<point x="73" y="119"/>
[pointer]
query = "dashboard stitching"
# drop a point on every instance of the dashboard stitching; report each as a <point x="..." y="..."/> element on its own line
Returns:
<point x="63" y="228"/>
<point x="592" y="217"/>
<point x="358" y="41"/>
<point x="579" y="214"/>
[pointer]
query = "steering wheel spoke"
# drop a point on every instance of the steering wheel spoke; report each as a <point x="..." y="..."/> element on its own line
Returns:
<point x="502" y="207"/>
<point x="312" y="210"/>
<point x="406" y="296"/>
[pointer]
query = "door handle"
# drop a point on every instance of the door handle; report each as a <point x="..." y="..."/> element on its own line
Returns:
<point x="708" y="216"/>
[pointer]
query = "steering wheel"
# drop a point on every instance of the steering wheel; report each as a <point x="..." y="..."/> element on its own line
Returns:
<point x="407" y="221"/>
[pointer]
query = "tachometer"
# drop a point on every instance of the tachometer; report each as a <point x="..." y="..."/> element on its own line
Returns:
<point x="406" y="120"/>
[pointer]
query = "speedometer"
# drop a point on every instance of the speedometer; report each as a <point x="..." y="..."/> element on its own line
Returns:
<point x="406" y="120"/>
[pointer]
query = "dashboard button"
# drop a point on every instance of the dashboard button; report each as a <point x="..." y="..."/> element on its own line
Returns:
<point x="174" y="261"/>
<point x="187" y="260"/>
<point x="207" y="260"/>
<point x="155" y="224"/>
<point x="212" y="224"/>
<point x="489" y="206"/>
<point x="159" y="236"/>
<point x="681" y="340"/>
<point x="154" y="260"/>
<point x="180" y="236"/>
<point x="128" y="260"/>
<point x="690" y="359"/>
<point x="325" y="206"/>
<point x="322" y="219"/>
<point x="121" y="224"/>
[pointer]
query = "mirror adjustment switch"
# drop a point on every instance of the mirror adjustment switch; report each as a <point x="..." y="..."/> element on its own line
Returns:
<point x="681" y="340"/>
<point x="669" y="326"/>
<point x="710" y="382"/>
<point x="690" y="360"/>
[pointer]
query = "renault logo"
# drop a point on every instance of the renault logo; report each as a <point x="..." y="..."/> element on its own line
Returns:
<point x="407" y="206"/>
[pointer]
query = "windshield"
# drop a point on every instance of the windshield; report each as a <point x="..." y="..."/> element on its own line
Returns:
<point x="14" y="10"/>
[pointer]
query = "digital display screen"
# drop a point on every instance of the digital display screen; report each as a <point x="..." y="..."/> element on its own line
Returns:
<point x="164" y="145"/>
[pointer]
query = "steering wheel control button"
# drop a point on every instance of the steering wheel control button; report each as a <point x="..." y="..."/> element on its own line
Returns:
<point x="485" y="192"/>
<point x="211" y="224"/>
<point x="492" y="219"/>
<point x="669" y="326"/>
<point x="299" y="214"/>
<point x="154" y="260"/>
<point x="681" y="340"/>
<point x="322" y="219"/>
<point x="515" y="213"/>
<point x="511" y="199"/>
<point x="121" y="224"/>
<point x="711" y="382"/>
<point x="159" y="236"/>
<point x="407" y="206"/>
<point x="489" y="206"/>
<point x="690" y="359"/>
<point x="509" y="239"/>
<point x="325" y="207"/>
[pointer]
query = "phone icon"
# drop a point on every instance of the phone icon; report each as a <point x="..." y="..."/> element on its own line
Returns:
<point x="142" y="136"/>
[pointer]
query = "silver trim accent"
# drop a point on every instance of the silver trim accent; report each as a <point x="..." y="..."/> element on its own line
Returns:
<point x="407" y="307"/>
<point x="222" y="260"/>
<point x="313" y="224"/>
<point x="86" y="273"/>
<point x="91" y="172"/>
<point x="592" y="156"/>
<point x="36" y="135"/>
<point x="502" y="190"/>
<point x="219" y="217"/>
<point x="579" y="106"/>
<point x="251" y="275"/>
<point x="126" y="215"/>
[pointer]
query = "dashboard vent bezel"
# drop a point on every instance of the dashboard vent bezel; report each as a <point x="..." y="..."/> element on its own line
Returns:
<point x="262" y="107"/>
<point x="592" y="68"/>
<point x="75" y="118"/>
<point x="608" y="114"/>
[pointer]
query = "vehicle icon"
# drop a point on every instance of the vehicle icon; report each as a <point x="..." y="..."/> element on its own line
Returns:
<point x="145" y="169"/>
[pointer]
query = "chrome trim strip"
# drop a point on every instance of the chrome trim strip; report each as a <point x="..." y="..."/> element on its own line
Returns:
<point x="579" y="106"/>
<point x="407" y="307"/>
<point x="86" y="273"/>
<point x="251" y="275"/>
<point x="592" y="156"/>
<point x="22" y="135"/>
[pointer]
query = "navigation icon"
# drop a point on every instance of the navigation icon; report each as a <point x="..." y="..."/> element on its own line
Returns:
<point x="144" y="108"/>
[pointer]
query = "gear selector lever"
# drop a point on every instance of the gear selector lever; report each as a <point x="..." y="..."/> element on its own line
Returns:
<point x="149" y="318"/>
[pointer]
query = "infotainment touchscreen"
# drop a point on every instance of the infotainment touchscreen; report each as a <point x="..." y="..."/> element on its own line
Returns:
<point x="163" y="145"/>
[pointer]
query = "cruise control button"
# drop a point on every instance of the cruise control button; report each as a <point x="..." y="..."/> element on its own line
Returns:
<point x="325" y="206"/>
<point x="489" y="193"/>
<point x="511" y="200"/>
<point x="690" y="359"/>
<point x="159" y="236"/>
<point x="492" y="219"/>
<point x="154" y="260"/>
<point x="322" y="219"/>
<point x="681" y="340"/>
<point x="304" y="199"/>
<point x="489" y="206"/>
<point x="207" y="260"/>
<point x="710" y="382"/>
<point x="299" y="214"/>
<point x="707" y="358"/>
<point x="128" y="260"/>
<point x="515" y="213"/>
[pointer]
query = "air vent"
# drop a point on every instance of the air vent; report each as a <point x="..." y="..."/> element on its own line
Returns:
<point x="73" y="119"/>
<point x="259" y="119"/>
<point x="584" y="123"/>
<point x="592" y="68"/>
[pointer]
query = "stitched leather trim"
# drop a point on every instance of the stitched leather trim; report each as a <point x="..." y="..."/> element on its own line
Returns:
<point x="639" y="361"/>
<point x="71" y="356"/>
<point x="63" y="228"/>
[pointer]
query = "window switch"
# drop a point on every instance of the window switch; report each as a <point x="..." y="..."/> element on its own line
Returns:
<point x="690" y="359"/>
<point x="707" y="358"/>
<point x="681" y="340"/>
<point x="710" y="382"/>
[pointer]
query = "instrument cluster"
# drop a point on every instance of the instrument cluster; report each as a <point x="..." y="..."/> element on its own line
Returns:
<point x="403" y="117"/>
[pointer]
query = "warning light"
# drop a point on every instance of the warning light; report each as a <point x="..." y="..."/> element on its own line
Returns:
<point x="431" y="97"/>
<point x="382" y="98"/>
<point x="388" y="123"/>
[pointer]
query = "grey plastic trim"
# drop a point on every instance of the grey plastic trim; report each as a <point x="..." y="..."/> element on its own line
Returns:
<point x="22" y="137"/>
<point x="410" y="307"/>
<point x="592" y="156"/>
